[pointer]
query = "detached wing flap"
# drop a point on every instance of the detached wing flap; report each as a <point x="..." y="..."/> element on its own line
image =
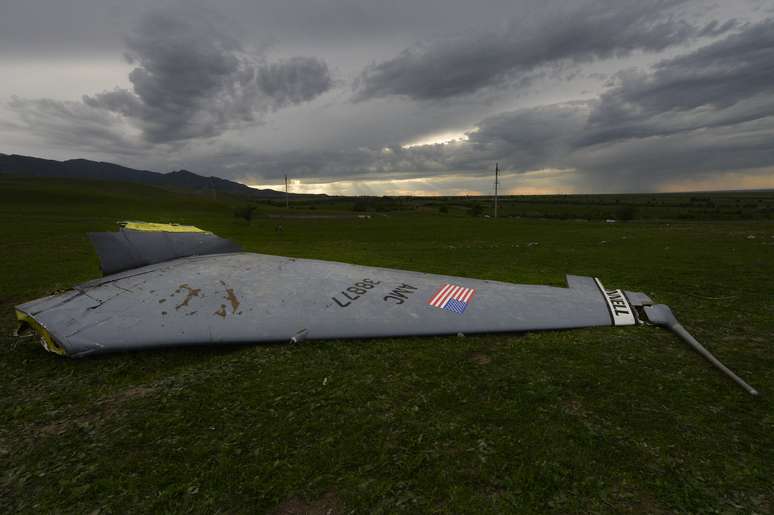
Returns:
<point x="137" y="245"/>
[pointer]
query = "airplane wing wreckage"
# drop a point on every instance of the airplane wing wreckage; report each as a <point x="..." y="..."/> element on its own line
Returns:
<point x="169" y="285"/>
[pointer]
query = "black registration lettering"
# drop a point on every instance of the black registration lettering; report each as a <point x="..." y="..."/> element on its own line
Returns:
<point x="619" y="304"/>
<point x="354" y="292"/>
<point x="400" y="294"/>
<point x="337" y="301"/>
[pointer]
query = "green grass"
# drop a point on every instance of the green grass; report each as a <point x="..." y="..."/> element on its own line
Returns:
<point x="599" y="420"/>
<point x="740" y="205"/>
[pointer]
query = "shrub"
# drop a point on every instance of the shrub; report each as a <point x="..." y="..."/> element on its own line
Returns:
<point x="476" y="210"/>
<point x="245" y="213"/>
<point x="625" y="213"/>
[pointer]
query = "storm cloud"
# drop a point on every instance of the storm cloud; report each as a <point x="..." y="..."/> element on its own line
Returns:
<point x="582" y="33"/>
<point x="193" y="79"/>
<point x="77" y="125"/>
<point x="705" y="112"/>
<point x="589" y="96"/>
<point x="523" y="141"/>
<point x="724" y="83"/>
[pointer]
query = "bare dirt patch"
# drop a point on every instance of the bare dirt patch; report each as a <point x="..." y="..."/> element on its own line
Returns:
<point x="103" y="408"/>
<point x="135" y="392"/>
<point x="574" y="407"/>
<point x="480" y="358"/>
<point x="328" y="504"/>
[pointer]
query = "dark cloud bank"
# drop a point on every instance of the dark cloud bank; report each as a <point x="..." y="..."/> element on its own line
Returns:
<point x="192" y="79"/>
<point x="703" y="112"/>
<point x="580" y="33"/>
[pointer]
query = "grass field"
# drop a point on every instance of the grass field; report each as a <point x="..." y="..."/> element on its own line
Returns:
<point x="720" y="206"/>
<point x="598" y="420"/>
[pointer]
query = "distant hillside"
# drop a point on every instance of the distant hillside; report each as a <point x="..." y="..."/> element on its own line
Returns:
<point x="84" y="169"/>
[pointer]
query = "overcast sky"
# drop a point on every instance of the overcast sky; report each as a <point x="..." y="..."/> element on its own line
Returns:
<point x="423" y="97"/>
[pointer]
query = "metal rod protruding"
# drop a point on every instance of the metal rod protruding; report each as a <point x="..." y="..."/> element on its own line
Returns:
<point x="685" y="335"/>
<point x="660" y="314"/>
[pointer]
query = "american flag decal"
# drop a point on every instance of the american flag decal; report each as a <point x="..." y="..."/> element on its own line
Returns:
<point x="452" y="298"/>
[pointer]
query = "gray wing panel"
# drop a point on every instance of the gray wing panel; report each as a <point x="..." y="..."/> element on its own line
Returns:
<point x="245" y="297"/>
<point x="581" y="282"/>
<point x="128" y="249"/>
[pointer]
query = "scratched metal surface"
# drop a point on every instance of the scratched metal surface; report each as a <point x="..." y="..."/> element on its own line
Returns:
<point x="246" y="297"/>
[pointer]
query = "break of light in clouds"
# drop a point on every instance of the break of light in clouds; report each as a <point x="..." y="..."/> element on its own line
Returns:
<point x="538" y="182"/>
<point x="436" y="139"/>
<point x="368" y="98"/>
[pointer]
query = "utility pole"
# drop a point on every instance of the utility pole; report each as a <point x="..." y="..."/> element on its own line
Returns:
<point x="286" y="192"/>
<point x="497" y="177"/>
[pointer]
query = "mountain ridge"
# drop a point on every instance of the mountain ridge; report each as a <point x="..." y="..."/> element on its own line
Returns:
<point x="29" y="166"/>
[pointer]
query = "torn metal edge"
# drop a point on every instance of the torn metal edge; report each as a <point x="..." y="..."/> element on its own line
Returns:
<point x="47" y="340"/>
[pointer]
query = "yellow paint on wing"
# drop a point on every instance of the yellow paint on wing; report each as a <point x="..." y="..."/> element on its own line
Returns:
<point x="46" y="340"/>
<point x="156" y="227"/>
